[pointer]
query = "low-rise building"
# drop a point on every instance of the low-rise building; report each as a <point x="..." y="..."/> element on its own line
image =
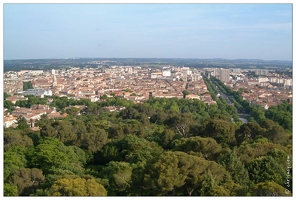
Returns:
<point x="9" y="120"/>
<point x="37" y="92"/>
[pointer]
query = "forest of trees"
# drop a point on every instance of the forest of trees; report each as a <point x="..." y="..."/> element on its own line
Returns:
<point x="163" y="147"/>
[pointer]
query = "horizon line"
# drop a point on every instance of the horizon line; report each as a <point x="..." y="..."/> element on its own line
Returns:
<point x="145" y="58"/>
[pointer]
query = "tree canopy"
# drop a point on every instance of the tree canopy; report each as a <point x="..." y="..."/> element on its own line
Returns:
<point x="161" y="147"/>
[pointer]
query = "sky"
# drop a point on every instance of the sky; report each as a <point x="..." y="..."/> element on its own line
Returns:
<point x="229" y="31"/>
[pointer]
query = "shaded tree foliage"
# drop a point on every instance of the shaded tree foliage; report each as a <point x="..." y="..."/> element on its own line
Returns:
<point x="14" y="137"/>
<point x="222" y="131"/>
<point x="25" y="179"/>
<point x="248" y="132"/>
<point x="130" y="149"/>
<point x="119" y="175"/>
<point x="207" y="148"/>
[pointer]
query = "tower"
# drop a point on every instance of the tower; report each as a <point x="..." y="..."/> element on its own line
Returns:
<point x="54" y="79"/>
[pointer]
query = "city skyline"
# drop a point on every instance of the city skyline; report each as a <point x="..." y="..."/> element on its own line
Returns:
<point x="229" y="31"/>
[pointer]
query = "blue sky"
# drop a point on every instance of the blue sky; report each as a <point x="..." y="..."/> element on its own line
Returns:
<point x="230" y="31"/>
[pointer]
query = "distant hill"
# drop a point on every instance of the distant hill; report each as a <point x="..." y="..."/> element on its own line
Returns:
<point x="47" y="64"/>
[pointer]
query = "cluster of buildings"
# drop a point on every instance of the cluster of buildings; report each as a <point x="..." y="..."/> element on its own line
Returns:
<point x="138" y="84"/>
<point x="132" y="83"/>
<point x="31" y="115"/>
<point x="260" y="87"/>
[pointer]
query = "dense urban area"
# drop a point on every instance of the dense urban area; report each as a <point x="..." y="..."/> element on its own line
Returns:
<point x="147" y="127"/>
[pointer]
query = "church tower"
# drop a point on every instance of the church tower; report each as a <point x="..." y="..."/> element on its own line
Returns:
<point x="54" y="80"/>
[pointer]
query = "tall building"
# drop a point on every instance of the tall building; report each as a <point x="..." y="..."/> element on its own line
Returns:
<point x="185" y="75"/>
<point x="222" y="74"/>
<point x="225" y="75"/>
<point x="261" y="72"/>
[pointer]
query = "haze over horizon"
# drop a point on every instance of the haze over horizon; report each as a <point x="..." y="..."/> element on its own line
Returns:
<point x="201" y="31"/>
<point x="250" y="59"/>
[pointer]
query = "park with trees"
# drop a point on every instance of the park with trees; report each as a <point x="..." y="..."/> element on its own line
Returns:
<point x="162" y="147"/>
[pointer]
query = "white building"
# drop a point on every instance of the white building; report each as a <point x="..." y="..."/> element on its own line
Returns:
<point x="196" y="77"/>
<point x="166" y="73"/>
<point x="9" y="120"/>
<point x="37" y="92"/>
<point x="263" y="79"/>
<point x="288" y="82"/>
<point x="36" y="72"/>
